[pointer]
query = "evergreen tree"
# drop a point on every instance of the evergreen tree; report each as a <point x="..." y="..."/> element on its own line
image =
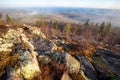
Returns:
<point x="96" y="25"/>
<point x="0" y="15"/>
<point x="8" y="19"/>
<point x="40" y="23"/>
<point x="55" y="26"/>
<point x="67" y="27"/>
<point x="87" y="23"/>
<point x="74" y="29"/>
<point x="102" y="28"/>
<point x="108" y="28"/>
<point x="51" y="23"/>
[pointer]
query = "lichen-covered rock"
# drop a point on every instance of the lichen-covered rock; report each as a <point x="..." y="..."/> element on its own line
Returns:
<point x="8" y="39"/>
<point x="28" y="66"/>
<point x="35" y="31"/>
<point x="1" y="39"/>
<point x="6" y="47"/>
<point x="43" y="44"/>
<point x="72" y="64"/>
<point x="38" y="33"/>
<point x="11" y="35"/>
<point x="43" y="59"/>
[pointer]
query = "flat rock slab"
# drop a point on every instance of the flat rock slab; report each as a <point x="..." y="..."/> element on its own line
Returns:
<point x="87" y="68"/>
<point x="111" y="59"/>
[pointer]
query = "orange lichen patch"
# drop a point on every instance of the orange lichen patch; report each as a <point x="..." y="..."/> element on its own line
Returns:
<point x="59" y="48"/>
<point x="57" y="69"/>
<point x="88" y="51"/>
<point x="72" y="52"/>
<point x="3" y="29"/>
<point x="77" y="76"/>
<point x="2" y="22"/>
<point x="75" y="49"/>
<point x="45" y="72"/>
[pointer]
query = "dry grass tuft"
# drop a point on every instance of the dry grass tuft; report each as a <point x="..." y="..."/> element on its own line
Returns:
<point x="7" y="59"/>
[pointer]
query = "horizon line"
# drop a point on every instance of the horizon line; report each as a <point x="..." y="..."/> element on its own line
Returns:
<point x="11" y="7"/>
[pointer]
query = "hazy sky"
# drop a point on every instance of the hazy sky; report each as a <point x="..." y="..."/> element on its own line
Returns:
<point x="114" y="4"/>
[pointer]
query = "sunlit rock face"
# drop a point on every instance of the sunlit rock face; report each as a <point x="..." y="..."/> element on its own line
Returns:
<point x="27" y="65"/>
<point x="72" y="64"/>
<point x="66" y="77"/>
<point x="8" y="39"/>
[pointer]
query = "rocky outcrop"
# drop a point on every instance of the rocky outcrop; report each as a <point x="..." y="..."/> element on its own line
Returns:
<point x="72" y="65"/>
<point x="8" y="39"/>
<point x="34" y="30"/>
<point x="27" y="45"/>
<point x="27" y="67"/>
<point x="35" y="51"/>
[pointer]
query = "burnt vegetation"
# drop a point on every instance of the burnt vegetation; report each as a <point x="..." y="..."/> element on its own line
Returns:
<point x="76" y="35"/>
